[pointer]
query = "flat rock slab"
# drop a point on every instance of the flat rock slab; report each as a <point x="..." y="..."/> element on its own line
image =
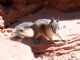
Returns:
<point x="10" y="50"/>
<point x="69" y="29"/>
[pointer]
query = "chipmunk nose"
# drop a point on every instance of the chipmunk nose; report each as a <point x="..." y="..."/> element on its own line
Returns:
<point x="29" y="32"/>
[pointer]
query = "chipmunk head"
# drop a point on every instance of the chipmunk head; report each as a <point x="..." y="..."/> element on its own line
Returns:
<point x="24" y="30"/>
<point x="54" y="24"/>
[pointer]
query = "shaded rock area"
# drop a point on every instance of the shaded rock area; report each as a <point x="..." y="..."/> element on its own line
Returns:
<point x="15" y="9"/>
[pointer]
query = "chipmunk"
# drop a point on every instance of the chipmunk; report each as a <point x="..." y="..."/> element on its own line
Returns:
<point x="46" y="28"/>
<point x="42" y="27"/>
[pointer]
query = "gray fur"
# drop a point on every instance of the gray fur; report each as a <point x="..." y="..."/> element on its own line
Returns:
<point x="55" y="25"/>
<point x="42" y="21"/>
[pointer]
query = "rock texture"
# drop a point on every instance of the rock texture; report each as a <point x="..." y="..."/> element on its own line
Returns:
<point x="15" y="9"/>
<point x="65" y="5"/>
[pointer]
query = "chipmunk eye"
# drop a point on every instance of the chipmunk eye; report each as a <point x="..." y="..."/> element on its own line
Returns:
<point x="25" y="27"/>
<point x="51" y="26"/>
<point x="21" y="30"/>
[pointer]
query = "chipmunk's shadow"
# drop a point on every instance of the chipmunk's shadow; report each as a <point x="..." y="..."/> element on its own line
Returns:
<point x="38" y="46"/>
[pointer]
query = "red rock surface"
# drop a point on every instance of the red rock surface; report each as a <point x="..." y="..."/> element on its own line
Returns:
<point x="12" y="10"/>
